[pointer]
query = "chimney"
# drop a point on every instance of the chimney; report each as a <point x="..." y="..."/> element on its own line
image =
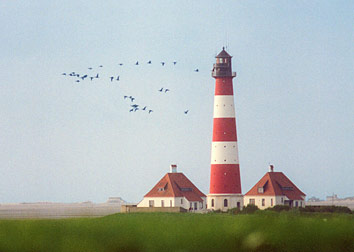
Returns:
<point x="173" y="168"/>
<point x="271" y="168"/>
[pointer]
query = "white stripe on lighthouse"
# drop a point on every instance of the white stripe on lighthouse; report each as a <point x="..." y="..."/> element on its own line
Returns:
<point x="224" y="153"/>
<point x="224" y="106"/>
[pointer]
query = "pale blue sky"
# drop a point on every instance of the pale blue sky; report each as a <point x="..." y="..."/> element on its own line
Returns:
<point x="65" y="142"/>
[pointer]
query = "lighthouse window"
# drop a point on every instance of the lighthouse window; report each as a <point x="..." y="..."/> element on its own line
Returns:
<point x="225" y="202"/>
<point x="212" y="203"/>
<point x="220" y="60"/>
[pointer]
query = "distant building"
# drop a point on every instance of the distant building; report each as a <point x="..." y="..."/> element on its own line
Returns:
<point x="274" y="188"/>
<point x="175" y="190"/>
<point x="332" y="197"/>
<point x="116" y="200"/>
<point x="333" y="200"/>
<point x="313" y="199"/>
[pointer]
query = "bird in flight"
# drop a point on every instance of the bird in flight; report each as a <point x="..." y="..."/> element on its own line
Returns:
<point x="125" y="97"/>
<point x="92" y="78"/>
<point x="134" y="105"/>
<point x="186" y="111"/>
<point x="101" y="66"/>
<point x="121" y="64"/>
<point x="150" y="111"/>
<point x="166" y="90"/>
<point x="137" y="63"/>
<point x="131" y="110"/>
<point x="83" y="77"/>
<point x="97" y="76"/>
<point x="117" y="78"/>
<point x="174" y="62"/>
<point x="77" y="80"/>
<point x="63" y="74"/>
<point x="162" y="63"/>
<point x="149" y="62"/>
<point x="90" y="68"/>
<point x="160" y="90"/>
<point x="111" y="78"/>
<point x="144" y="108"/>
<point x="196" y="70"/>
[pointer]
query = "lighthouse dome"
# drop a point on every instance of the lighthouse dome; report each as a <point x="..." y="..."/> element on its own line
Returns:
<point x="223" y="54"/>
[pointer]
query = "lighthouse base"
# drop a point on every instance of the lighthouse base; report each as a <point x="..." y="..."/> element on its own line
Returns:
<point x="224" y="202"/>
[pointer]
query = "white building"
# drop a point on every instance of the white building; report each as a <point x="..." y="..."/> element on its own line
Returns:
<point x="175" y="190"/>
<point x="274" y="189"/>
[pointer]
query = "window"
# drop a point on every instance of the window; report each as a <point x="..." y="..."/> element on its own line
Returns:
<point x="195" y="205"/>
<point x="296" y="203"/>
<point x="170" y="203"/>
<point x="252" y="202"/>
<point x="282" y="200"/>
<point x="260" y="190"/>
<point x="238" y="204"/>
<point x="151" y="203"/>
<point x="225" y="202"/>
<point x="300" y="203"/>
<point x="162" y="203"/>
<point x="191" y="205"/>
<point x="182" y="201"/>
<point x="201" y="205"/>
<point x="220" y="60"/>
<point x="271" y="202"/>
<point x="212" y="202"/>
<point x="263" y="202"/>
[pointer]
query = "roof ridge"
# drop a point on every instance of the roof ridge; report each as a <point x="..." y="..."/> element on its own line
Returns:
<point x="170" y="183"/>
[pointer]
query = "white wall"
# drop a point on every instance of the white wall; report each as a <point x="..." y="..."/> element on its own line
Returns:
<point x="232" y="200"/>
<point x="176" y="202"/>
<point x="277" y="200"/>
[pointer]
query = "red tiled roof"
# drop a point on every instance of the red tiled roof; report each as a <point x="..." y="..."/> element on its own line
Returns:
<point x="276" y="184"/>
<point x="176" y="185"/>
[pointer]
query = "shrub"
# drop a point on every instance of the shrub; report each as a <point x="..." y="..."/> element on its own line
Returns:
<point x="326" y="209"/>
<point x="249" y="209"/>
<point x="279" y="208"/>
<point x="234" y="210"/>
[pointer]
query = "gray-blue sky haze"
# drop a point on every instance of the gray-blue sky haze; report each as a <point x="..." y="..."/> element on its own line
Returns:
<point x="64" y="141"/>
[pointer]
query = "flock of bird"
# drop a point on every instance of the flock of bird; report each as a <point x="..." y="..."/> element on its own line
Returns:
<point x="133" y="107"/>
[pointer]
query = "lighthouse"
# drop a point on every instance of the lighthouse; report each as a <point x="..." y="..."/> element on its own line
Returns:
<point x="225" y="183"/>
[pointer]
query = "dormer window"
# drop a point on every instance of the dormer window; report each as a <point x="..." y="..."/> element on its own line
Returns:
<point x="287" y="188"/>
<point x="220" y="60"/>
<point x="260" y="190"/>
<point x="161" y="189"/>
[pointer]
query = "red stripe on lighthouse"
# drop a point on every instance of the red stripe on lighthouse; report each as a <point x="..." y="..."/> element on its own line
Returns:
<point x="225" y="178"/>
<point x="223" y="86"/>
<point x="224" y="129"/>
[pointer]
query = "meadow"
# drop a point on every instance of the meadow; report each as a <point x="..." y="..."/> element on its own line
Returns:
<point x="265" y="231"/>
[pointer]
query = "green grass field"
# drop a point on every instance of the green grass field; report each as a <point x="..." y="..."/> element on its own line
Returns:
<point x="264" y="231"/>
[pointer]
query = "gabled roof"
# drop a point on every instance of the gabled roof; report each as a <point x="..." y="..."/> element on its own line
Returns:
<point x="276" y="184"/>
<point x="223" y="54"/>
<point x="176" y="185"/>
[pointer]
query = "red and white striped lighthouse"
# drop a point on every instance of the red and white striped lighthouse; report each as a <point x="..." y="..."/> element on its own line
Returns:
<point x="225" y="182"/>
